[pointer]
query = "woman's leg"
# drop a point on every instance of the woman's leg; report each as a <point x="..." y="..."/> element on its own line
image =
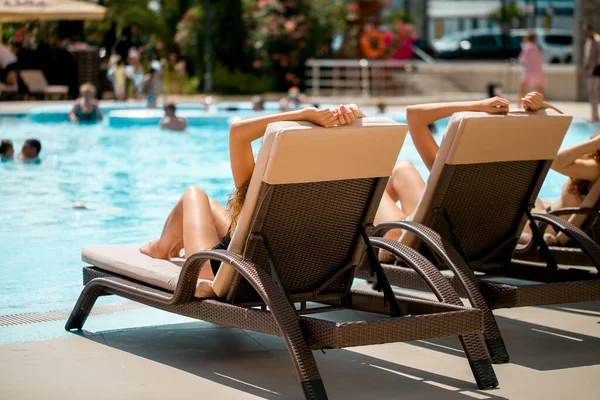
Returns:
<point x="539" y="89"/>
<point x="221" y="217"/>
<point x="189" y="225"/>
<point x="406" y="186"/>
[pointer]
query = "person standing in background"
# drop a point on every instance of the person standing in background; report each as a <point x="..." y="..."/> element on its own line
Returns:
<point x="590" y="69"/>
<point x="530" y="58"/>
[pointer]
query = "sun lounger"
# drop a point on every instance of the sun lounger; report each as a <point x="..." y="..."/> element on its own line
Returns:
<point x="37" y="85"/>
<point x="484" y="181"/>
<point x="303" y="230"/>
<point x="565" y="251"/>
<point x="8" y="91"/>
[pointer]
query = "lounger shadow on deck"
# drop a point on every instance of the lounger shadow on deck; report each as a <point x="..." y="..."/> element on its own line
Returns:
<point x="233" y="358"/>
<point x="538" y="347"/>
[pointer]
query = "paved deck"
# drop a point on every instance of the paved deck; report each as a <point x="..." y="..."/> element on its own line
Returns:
<point x="555" y="353"/>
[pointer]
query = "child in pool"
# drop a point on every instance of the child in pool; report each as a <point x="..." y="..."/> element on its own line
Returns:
<point x="7" y="150"/>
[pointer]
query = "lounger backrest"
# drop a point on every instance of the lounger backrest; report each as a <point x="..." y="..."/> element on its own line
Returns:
<point x="35" y="80"/>
<point x="488" y="169"/>
<point x="311" y="191"/>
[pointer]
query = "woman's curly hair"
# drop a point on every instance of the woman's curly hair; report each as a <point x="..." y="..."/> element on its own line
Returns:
<point x="580" y="187"/>
<point x="236" y="202"/>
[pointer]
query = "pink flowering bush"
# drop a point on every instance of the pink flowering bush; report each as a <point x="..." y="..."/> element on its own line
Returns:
<point x="283" y="34"/>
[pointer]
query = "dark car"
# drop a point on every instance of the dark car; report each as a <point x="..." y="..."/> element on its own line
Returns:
<point x="486" y="45"/>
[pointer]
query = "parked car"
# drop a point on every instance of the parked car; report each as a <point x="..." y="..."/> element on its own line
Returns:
<point x="556" y="44"/>
<point x="477" y="45"/>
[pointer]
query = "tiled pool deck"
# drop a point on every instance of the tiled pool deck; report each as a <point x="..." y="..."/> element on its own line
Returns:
<point x="133" y="352"/>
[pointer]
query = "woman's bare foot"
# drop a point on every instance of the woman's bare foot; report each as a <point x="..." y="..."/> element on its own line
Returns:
<point x="153" y="250"/>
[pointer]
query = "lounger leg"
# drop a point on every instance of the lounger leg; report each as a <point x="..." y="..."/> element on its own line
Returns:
<point x="480" y="364"/>
<point x="84" y="305"/>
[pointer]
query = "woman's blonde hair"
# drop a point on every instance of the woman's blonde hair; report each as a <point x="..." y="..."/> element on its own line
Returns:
<point x="87" y="87"/>
<point x="580" y="187"/>
<point x="235" y="204"/>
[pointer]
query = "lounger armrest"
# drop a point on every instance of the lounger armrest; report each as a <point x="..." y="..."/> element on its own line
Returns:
<point x="430" y="274"/>
<point x="575" y="210"/>
<point x="447" y="253"/>
<point x="274" y="297"/>
<point x="577" y="236"/>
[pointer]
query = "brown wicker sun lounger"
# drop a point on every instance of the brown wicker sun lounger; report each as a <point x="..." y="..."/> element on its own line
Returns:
<point x="303" y="230"/>
<point x="37" y="85"/>
<point x="585" y="217"/>
<point x="482" y="186"/>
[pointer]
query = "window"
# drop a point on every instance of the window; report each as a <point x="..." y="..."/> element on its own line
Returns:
<point x="484" y="41"/>
<point x="559" y="40"/>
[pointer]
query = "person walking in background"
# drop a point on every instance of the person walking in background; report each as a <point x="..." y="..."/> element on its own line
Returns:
<point x="590" y="69"/>
<point x="155" y="86"/>
<point x="118" y="76"/>
<point x="531" y="60"/>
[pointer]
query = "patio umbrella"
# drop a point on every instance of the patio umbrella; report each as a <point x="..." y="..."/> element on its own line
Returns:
<point x="53" y="10"/>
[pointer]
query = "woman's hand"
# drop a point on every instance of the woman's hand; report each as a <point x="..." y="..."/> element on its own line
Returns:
<point x="348" y="113"/>
<point x="325" y="117"/>
<point x="493" y="105"/>
<point x="534" y="101"/>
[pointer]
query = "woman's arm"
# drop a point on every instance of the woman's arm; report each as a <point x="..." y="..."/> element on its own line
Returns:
<point x="419" y="116"/>
<point x="568" y="161"/>
<point x="73" y="115"/>
<point x="242" y="133"/>
<point x="98" y="112"/>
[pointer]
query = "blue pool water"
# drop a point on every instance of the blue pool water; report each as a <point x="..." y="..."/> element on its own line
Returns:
<point x="129" y="177"/>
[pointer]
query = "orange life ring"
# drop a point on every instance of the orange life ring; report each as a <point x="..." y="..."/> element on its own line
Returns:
<point x="370" y="37"/>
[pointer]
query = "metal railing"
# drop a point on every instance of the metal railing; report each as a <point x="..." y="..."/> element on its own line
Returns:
<point x="364" y="78"/>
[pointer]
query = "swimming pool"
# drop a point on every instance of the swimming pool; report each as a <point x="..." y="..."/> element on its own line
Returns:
<point x="129" y="178"/>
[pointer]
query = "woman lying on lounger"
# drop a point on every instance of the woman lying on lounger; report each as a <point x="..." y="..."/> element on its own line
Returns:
<point x="406" y="185"/>
<point x="197" y="223"/>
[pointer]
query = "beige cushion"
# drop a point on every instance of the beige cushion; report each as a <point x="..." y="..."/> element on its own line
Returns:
<point x="294" y="152"/>
<point x="35" y="80"/>
<point x="127" y="260"/>
<point x="473" y="137"/>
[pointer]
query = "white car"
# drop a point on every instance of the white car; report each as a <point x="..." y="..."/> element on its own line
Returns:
<point x="556" y="44"/>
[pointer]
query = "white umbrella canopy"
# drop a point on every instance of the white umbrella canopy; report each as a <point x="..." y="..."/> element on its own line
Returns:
<point x="52" y="10"/>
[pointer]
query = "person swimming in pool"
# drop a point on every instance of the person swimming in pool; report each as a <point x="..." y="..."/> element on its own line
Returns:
<point x="406" y="185"/>
<point x="7" y="151"/>
<point x="172" y="121"/>
<point x="30" y="152"/>
<point x="86" y="108"/>
<point x="198" y="223"/>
